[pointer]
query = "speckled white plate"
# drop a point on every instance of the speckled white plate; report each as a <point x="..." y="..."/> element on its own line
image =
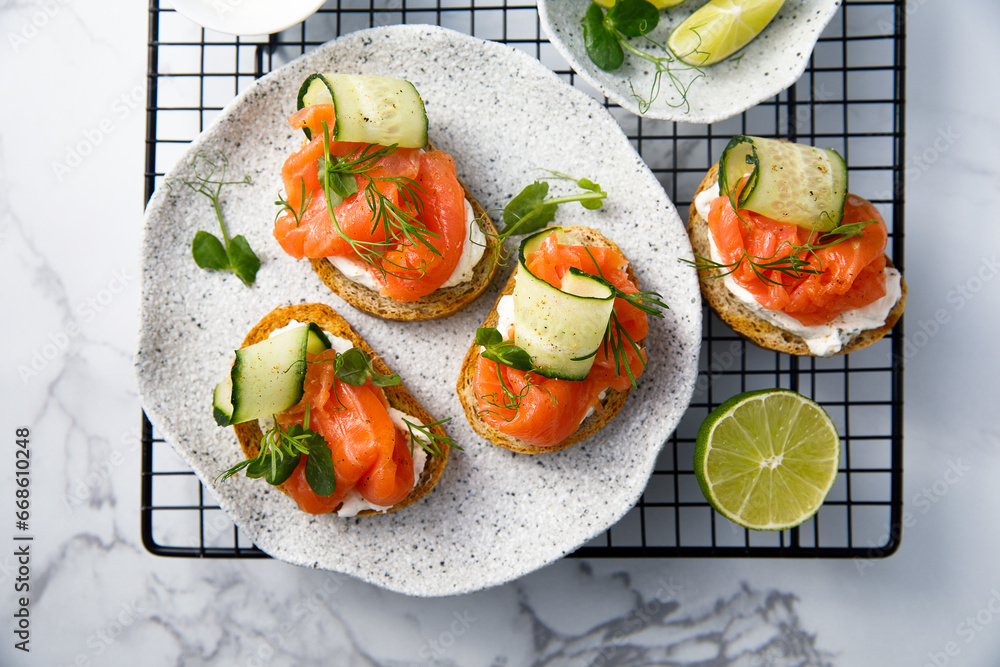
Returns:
<point x="769" y="64"/>
<point x="495" y="515"/>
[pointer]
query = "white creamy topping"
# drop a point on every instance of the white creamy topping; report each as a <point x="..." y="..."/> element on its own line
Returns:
<point x="505" y="314"/>
<point x="703" y="200"/>
<point x="473" y="246"/>
<point x="823" y="339"/>
<point x="353" y="502"/>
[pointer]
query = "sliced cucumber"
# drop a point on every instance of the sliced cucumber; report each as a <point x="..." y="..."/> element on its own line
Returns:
<point x="267" y="377"/>
<point x="788" y="182"/>
<point x="561" y="329"/>
<point x="316" y="340"/>
<point x="369" y="109"/>
<point x="222" y="404"/>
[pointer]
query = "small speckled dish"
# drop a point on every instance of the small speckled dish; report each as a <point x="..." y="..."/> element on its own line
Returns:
<point x="769" y="64"/>
<point x="495" y="515"/>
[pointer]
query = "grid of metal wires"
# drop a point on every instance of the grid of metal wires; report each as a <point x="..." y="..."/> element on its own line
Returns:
<point x="850" y="98"/>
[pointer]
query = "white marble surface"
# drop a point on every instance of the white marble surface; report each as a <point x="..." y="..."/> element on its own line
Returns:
<point x="68" y="257"/>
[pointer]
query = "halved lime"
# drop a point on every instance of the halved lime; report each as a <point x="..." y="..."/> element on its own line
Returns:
<point x="659" y="4"/>
<point x="767" y="459"/>
<point x="720" y="29"/>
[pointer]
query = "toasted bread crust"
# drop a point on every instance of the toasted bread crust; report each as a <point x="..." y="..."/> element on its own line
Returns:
<point x="249" y="433"/>
<point x="745" y="322"/>
<point x="440" y="303"/>
<point x="611" y="404"/>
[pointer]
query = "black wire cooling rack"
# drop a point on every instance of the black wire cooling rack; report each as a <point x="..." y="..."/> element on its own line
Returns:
<point x="850" y="98"/>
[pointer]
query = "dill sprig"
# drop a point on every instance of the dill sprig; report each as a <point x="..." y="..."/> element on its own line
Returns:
<point x="508" y="400"/>
<point x="399" y="223"/>
<point x="504" y="352"/>
<point x="616" y="335"/>
<point x="303" y="205"/>
<point x="796" y="265"/>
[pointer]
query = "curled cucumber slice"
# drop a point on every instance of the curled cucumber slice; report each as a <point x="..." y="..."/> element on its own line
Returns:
<point x="788" y="182"/>
<point x="561" y="329"/>
<point x="369" y="109"/>
<point x="267" y="377"/>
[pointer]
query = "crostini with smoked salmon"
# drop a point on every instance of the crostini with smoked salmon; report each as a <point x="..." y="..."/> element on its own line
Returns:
<point x="562" y="347"/>
<point x="787" y="257"/>
<point x="319" y="415"/>
<point x="379" y="212"/>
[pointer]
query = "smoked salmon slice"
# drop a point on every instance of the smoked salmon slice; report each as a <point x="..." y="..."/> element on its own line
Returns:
<point x="547" y="411"/>
<point x="408" y="269"/>
<point x="851" y="273"/>
<point x="369" y="453"/>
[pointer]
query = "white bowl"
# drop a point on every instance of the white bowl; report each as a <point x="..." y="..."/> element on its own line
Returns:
<point x="247" y="17"/>
<point x="769" y="64"/>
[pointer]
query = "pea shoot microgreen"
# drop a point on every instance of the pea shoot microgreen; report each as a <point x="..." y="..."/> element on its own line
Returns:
<point x="496" y="348"/>
<point x="531" y="209"/>
<point x="355" y="368"/>
<point x="209" y="252"/>
<point x="397" y="223"/>
<point x="606" y="38"/>
<point x="281" y="449"/>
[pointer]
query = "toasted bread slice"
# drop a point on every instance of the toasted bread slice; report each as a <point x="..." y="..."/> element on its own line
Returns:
<point x="249" y="433"/>
<point x="747" y="323"/>
<point x="611" y="404"/>
<point x="440" y="303"/>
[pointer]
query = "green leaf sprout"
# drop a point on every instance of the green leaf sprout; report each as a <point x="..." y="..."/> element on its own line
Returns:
<point x="208" y="251"/>
<point x="606" y="38"/>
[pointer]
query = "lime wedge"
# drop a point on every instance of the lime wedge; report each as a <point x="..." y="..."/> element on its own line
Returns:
<point x="720" y="29"/>
<point x="767" y="459"/>
<point x="659" y="4"/>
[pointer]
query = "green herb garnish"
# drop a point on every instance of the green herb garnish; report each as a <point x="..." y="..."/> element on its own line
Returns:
<point x="795" y="265"/>
<point x="427" y="439"/>
<point x="531" y="210"/>
<point x="400" y="223"/>
<point x="506" y="353"/>
<point x="354" y="367"/>
<point x="606" y="38"/>
<point x="303" y="205"/>
<point x="209" y="252"/>
<point x="281" y="448"/>
<point x="616" y="334"/>
<point x="280" y="451"/>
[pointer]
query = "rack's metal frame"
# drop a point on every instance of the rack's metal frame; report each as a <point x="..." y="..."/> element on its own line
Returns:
<point x="672" y="519"/>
